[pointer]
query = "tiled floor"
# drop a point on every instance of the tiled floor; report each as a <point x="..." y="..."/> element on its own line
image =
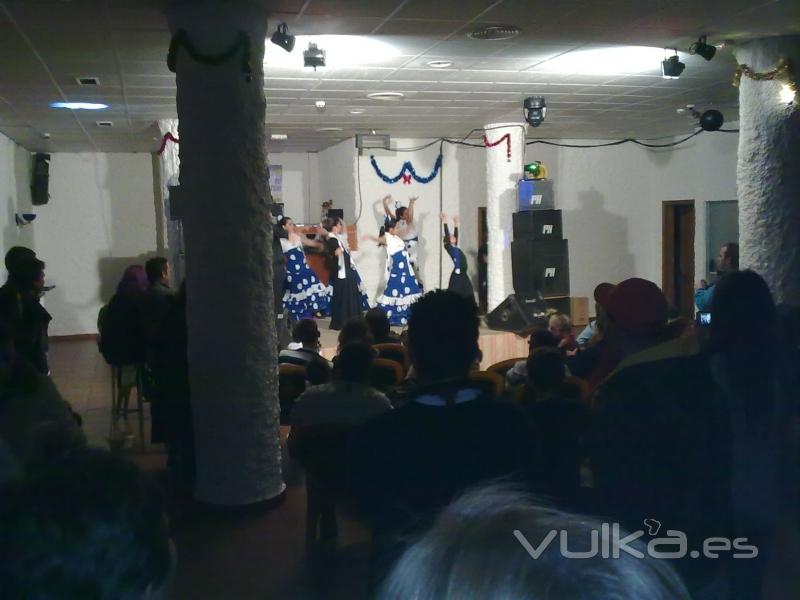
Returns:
<point x="221" y="556"/>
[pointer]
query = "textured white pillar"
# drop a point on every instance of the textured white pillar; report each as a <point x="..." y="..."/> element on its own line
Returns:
<point x="768" y="177"/>
<point x="501" y="202"/>
<point x="232" y="350"/>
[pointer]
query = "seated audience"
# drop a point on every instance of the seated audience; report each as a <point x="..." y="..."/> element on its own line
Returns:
<point x="36" y="423"/>
<point x="590" y="332"/>
<point x="707" y="442"/>
<point x="541" y="338"/>
<point x="157" y="297"/>
<point x="84" y="526"/>
<point x="410" y="462"/>
<point x="558" y="423"/>
<point x="380" y="327"/>
<point x="727" y="262"/>
<point x="21" y="308"/>
<point x="122" y="337"/>
<point x="318" y="372"/>
<point x="482" y="548"/>
<point x="305" y="333"/>
<point x="349" y="400"/>
<point x="560" y="326"/>
<point x="355" y="331"/>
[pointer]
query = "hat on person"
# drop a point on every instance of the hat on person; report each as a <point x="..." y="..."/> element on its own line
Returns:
<point x="637" y="306"/>
<point x="601" y="293"/>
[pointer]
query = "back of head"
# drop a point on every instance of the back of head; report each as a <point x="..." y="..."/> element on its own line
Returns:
<point x="638" y="308"/>
<point x="156" y="269"/>
<point x="378" y="323"/>
<point x="560" y="324"/>
<point x="483" y="547"/>
<point x="542" y="338"/>
<point x="355" y="330"/>
<point x="354" y="362"/>
<point x="546" y="369"/>
<point x="743" y="314"/>
<point x="731" y="250"/>
<point x="26" y="271"/>
<point x="330" y="222"/>
<point x="15" y="256"/>
<point x="443" y="335"/>
<point x="133" y="281"/>
<point x="86" y="526"/>
<point x="318" y="371"/>
<point x="306" y="332"/>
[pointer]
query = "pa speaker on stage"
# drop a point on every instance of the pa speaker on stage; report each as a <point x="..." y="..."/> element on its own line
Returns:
<point x="535" y="194"/>
<point x="518" y="312"/>
<point x="537" y="225"/>
<point x="40" y="181"/>
<point x="540" y="267"/>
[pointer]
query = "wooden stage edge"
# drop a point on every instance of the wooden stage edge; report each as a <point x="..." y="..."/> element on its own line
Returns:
<point x="495" y="345"/>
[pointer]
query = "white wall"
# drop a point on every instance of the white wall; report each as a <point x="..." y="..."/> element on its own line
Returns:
<point x="337" y="177"/>
<point x="301" y="194"/>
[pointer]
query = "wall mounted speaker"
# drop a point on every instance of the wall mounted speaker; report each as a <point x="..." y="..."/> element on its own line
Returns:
<point x="40" y="180"/>
<point x="518" y="313"/>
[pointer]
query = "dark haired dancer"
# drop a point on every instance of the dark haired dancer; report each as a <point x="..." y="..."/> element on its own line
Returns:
<point x="349" y="296"/>
<point x="406" y="230"/>
<point x="459" y="279"/>
<point x="305" y="296"/>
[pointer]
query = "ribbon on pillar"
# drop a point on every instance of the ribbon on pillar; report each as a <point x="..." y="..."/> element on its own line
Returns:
<point x="505" y="138"/>
<point x="168" y="137"/>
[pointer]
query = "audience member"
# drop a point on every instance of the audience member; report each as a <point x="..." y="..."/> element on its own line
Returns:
<point x="482" y="548"/>
<point x="728" y="261"/>
<point x="558" y="423"/>
<point x="157" y="297"/>
<point x="410" y="462"/>
<point x="305" y="334"/>
<point x="590" y="332"/>
<point x="84" y="526"/>
<point x="349" y="400"/>
<point x="560" y="326"/>
<point x="380" y="327"/>
<point x="541" y="338"/>
<point x="707" y="443"/>
<point x="21" y="308"/>
<point x="355" y="330"/>
<point x="36" y="423"/>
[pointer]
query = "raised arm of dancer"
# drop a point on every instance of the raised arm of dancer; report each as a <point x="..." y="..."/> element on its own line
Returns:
<point x="310" y="243"/>
<point x="455" y="228"/>
<point x="410" y="212"/>
<point x="386" y="208"/>
<point x="381" y="241"/>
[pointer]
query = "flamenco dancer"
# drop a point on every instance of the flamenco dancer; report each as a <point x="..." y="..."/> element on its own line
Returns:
<point x="459" y="279"/>
<point x="305" y="296"/>
<point x="406" y="229"/>
<point x="402" y="289"/>
<point x="349" y="296"/>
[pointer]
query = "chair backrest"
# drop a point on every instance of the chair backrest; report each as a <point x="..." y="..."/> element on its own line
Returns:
<point x="395" y="352"/>
<point x="504" y="365"/>
<point x="291" y="383"/>
<point x="488" y="382"/>
<point x="385" y="374"/>
<point x="322" y="450"/>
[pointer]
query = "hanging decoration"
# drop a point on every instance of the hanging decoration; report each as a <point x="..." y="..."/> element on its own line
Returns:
<point x="505" y="138"/>
<point x="240" y="44"/>
<point x="780" y="72"/>
<point x="168" y="137"/>
<point x="407" y="172"/>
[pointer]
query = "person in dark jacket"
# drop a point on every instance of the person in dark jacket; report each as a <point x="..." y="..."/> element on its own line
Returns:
<point x="459" y="278"/>
<point x="157" y="297"/>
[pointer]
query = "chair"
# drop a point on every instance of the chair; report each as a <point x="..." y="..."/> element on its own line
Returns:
<point x="395" y="352"/>
<point x="502" y="367"/>
<point x="119" y="408"/>
<point x="488" y="382"/>
<point x="385" y="374"/>
<point x="322" y="451"/>
<point x="291" y="383"/>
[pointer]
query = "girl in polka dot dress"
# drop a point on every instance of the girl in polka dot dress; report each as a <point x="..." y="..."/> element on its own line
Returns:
<point x="304" y="296"/>
<point x="402" y="288"/>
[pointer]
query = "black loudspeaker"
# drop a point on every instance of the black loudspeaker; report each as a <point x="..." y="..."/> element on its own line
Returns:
<point x="540" y="267"/>
<point x="537" y="225"/>
<point x="518" y="312"/>
<point x="40" y="181"/>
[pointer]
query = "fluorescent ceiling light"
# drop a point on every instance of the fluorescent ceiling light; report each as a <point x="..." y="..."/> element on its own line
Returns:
<point x="386" y="96"/>
<point x="341" y="51"/>
<point x="613" y="60"/>
<point x="327" y="129"/>
<point x="356" y="111"/>
<point x="79" y="105"/>
<point x="439" y="64"/>
<point x="279" y="136"/>
<point x="786" y="94"/>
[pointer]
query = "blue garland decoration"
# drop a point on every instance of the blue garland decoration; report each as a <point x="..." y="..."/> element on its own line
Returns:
<point x="409" y="169"/>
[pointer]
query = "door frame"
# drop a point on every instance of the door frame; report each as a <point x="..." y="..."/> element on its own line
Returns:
<point x="669" y="241"/>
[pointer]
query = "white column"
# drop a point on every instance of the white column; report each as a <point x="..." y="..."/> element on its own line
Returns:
<point x="501" y="202"/>
<point x="768" y="175"/>
<point x="232" y="348"/>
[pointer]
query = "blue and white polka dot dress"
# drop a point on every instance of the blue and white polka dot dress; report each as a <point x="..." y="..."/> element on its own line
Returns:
<point x="402" y="288"/>
<point x="304" y="294"/>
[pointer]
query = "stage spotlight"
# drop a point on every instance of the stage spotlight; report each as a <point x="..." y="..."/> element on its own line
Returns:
<point x="313" y="56"/>
<point x="711" y="120"/>
<point x="534" y="109"/>
<point x="283" y="38"/>
<point x="701" y="48"/>
<point x="672" y="67"/>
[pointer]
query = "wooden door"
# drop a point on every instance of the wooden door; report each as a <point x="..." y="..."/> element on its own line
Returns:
<point x="678" y="223"/>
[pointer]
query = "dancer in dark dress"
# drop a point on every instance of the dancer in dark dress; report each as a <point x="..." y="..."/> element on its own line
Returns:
<point x="459" y="279"/>
<point x="349" y="296"/>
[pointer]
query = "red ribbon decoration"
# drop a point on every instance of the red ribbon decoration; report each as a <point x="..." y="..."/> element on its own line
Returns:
<point x="407" y="179"/>
<point x="506" y="138"/>
<point x="168" y="137"/>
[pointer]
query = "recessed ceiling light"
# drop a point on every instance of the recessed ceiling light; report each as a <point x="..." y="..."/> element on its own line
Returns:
<point x="386" y="96"/>
<point x="327" y="129"/>
<point x="87" y="80"/>
<point x="356" y="111"/>
<point x="104" y="123"/>
<point x="494" y="32"/>
<point x="439" y="64"/>
<point x="320" y="103"/>
<point x="79" y="105"/>
<point x="279" y="136"/>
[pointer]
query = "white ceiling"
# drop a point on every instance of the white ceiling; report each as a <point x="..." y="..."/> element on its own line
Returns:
<point x="45" y="44"/>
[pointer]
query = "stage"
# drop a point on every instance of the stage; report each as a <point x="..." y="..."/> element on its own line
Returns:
<point x="495" y="345"/>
